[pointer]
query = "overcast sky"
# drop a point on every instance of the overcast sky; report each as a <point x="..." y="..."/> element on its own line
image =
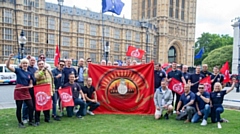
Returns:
<point x="213" y="16"/>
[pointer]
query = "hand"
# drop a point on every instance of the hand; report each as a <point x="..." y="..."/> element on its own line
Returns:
<point x="158" y="108"/>
<point x="191" y="84"/>
<point x="94" y="101"/>
<point x="165" y="106"/>
<point x="59" y="75"/>
<point x="169" y="79"/>
<point x="31" y="85"/>
<point x="198" y="93"/>
<point x="84" y="99"/>
<point x="11" y="55"/>
<point x="177" y="112"/>
<point x="60" y="88"/>
<point x="183" y="108"/>
<point x="199" y="113"/>
<point x="211" y="81"/>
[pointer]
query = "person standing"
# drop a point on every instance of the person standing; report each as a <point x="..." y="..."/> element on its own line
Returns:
<point x="202" y="105"/>
<point x="68" y="70"/>
<point x="57" y="75"/>
<point x="159" y="76"/>
<point x="80" y="71"/>
<point x="24" y="81"/>
<point x="194" y="79"/>
<point x="216" y="77"/>
<point x="43" y="58"/>
<point x="185" y="73"/>
<point x="43" y="76"/>
<point x="91" y="96"/>
<point x="205" y="71"/>
<point x="178" y="76"/>
<point x="163" y="101"/>
<point x="217" y="97"/>
<point x="187" y="99"/>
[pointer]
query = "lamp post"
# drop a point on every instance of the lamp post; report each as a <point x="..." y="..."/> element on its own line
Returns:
<point x="22" y="42"/>
<point x="60" y="3"/>
<point x="238" y="78"/>
<point x="145" y="25"/>
<point x="107" y="50"/>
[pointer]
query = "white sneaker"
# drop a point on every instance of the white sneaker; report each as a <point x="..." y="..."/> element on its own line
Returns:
<point x="90" y="112"/>
<point x="174" y="112"/>
<point x="204" y="122"/>
<point x="75" y="110"/>
<point x="219" y="125"/>
<point x="25" y="121"/>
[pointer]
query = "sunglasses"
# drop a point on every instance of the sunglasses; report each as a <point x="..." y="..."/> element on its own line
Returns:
<point x="89" y="61"/>
<point x="200" y="87"/>
<point x="62" y="65"/>
<point x="42" y="57"/>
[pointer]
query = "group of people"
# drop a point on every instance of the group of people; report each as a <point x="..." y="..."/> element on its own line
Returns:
<point x="31" y="72"/>
<point x="195" y="103"/>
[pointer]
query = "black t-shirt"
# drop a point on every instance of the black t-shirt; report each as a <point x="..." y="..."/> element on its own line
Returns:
<point x="216" y="78"/>
<point x="75" y="89"/>
<point x="186" y="76"/>
<point x="205" y="73"/>
<point x="175" y="74"/>
<point x="217" y="97"/>
<point x="158" y="76"/>
<point x="194" y="79"/>
<point x="88" y="91"/>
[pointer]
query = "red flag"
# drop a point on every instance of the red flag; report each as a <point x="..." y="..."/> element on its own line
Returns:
<point x="124" y="90"/>
<point x="43" y="98"/>
<point x="207" y="84"/>
<point x="134" y="52"/>
<point x="57" y="56"/>
<point x="225" y="71"/>
<point x="176" y="86"/>
<point x="168" y="70"/>
<point x="66" y="96"/>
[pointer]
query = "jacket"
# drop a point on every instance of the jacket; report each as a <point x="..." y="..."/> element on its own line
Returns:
<point x="85" y="74"/>
<point x="45" y="77"/>
<point x="158" y="96"/>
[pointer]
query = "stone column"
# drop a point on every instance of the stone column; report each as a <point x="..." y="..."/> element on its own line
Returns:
<point x="236" y="44"/>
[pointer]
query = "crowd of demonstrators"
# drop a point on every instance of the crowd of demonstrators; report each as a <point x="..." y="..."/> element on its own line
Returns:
<point x="195" y="103"/>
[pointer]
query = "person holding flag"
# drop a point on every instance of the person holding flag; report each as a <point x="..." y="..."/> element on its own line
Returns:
<point x="195" y="79"/>
<point x="216" y="77"/>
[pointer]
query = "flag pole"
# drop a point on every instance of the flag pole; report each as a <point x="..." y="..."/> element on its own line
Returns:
<point x="103" y="36"/>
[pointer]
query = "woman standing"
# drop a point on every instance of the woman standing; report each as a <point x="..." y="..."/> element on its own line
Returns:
<point x="217" y="97"/>
<point x="21" y="92"/>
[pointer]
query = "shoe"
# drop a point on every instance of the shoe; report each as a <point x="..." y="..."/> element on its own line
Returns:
<point x="166" y="116"/>
<point x="174" y="112"/>
<point x="21" y="125"/>
<point x="75" y="109"/>
<point x="32" y="124"/>
<point x="56" y="119"/>
<point x="186" y="121"/>
<point x="48" y="121"/>
<point x="90" y="112"/>
<point x="224" y="120"/>
<point x="25" y="121"/>
<point x="80" y="117"/>
<point x="204" y="122"/>
<point x="37" y="123"/>
<point x="219" y="125"/>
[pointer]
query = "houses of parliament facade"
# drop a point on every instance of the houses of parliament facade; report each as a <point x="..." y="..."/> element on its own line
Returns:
<point x="165" y="29"/>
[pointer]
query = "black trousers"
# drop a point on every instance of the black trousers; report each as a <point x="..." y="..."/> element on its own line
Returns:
<point x="19" y="104"/>
<point x="177" y="100"/>
<point x="46" y="115"/>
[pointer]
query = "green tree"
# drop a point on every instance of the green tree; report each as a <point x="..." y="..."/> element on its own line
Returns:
<point x="210" y="42"/>
<point x="219" y="56"/>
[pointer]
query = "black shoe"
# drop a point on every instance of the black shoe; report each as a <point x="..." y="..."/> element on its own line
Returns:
<point x="48" y="121"/>
<point x="166" y="116"/>
<point x="32" y="124"/>
<point x="37" y="123"/>
<point x="21" y="125"/>
<point x="56" y="119"/>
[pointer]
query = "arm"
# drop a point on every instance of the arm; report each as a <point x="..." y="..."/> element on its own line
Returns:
<point x="155" y="98"/>
<point x="188" y="104"/>
<point x="88" y="99"/>
<point x="232" y="87"/>
<point x="178" y="106"/>
<point x="83" y="96"/>
<point x="183" y="80"/>
<point x="170" y="99"/>
<point x="197" y="107"/>
<point x="206" y="100"/>
<point x="8" y="63"/>
<point x="95" y="96"/>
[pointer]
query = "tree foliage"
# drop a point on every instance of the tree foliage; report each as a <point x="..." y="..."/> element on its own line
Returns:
<point x="219" y="56"/>
<point x="211" y="42"/>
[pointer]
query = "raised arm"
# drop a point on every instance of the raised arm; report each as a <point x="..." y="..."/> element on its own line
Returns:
<point x="8" y="63"/>
<point x="233" y="85"/>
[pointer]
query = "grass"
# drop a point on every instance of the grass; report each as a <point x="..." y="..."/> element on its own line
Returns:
<point x="118" y="124"/>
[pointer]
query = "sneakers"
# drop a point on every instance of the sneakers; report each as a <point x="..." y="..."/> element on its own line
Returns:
<point x="219" y="125"/>
<point x="32" y="124"/>
<point x="166" y="116"/>
<point x="204" y="122"/>
<point x="75" y="109"/>
<point x="90" y="112"/>
<point x="25" y="121"/>
<point x="21" y="125"/>
<point x="80" y="117"/>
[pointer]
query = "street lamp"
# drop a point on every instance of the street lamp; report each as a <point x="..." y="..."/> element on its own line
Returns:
<point x="107" y="50"/>
<point x="238" y="78"/>
<point x="22" y="42"/>
<point x="145" y="25"/>
<point x="60" y="3"/>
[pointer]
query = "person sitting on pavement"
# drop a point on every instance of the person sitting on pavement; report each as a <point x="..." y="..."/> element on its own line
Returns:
<point x="187" y="99"/>
<point x="91" y="96"/>
<point x="77" y="99"/>
<point x="217" y="97"/>
<point x="202" y="105"/>
<point x="163" y="101"/>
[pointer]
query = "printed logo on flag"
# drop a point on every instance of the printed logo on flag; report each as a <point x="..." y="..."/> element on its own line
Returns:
<point x="178" y="87"/>
<point x="66" y="97"/>
<point x="42" y="98"/>
<point x="135" y="53"/>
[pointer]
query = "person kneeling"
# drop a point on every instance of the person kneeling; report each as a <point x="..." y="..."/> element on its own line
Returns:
<point x="202" y="105"/>
<point x="89" y="91"/>
<point x="76" y="90"/>
<point x="187" y="99"/>
<point x="163" y="99"/>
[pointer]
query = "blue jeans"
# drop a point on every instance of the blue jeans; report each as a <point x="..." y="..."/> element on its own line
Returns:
<point x="216" y="112"/>
<point x="54" y="103"/>
<point x="93" y="105"/>
<point x="82" y="109"/>
<point x="205" y="112"/>
<point x="25" y="111"/>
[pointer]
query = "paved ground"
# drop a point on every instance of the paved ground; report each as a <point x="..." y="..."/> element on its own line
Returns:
<point x="232" y="100"/>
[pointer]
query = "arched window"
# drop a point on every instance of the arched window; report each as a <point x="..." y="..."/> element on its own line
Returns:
<point x="172" y="54"/>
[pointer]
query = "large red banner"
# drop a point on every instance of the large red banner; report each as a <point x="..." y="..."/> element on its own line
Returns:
<point x="43" y="97"/>
<point x="66" y="97"/>
<point x="124" y="90"/>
